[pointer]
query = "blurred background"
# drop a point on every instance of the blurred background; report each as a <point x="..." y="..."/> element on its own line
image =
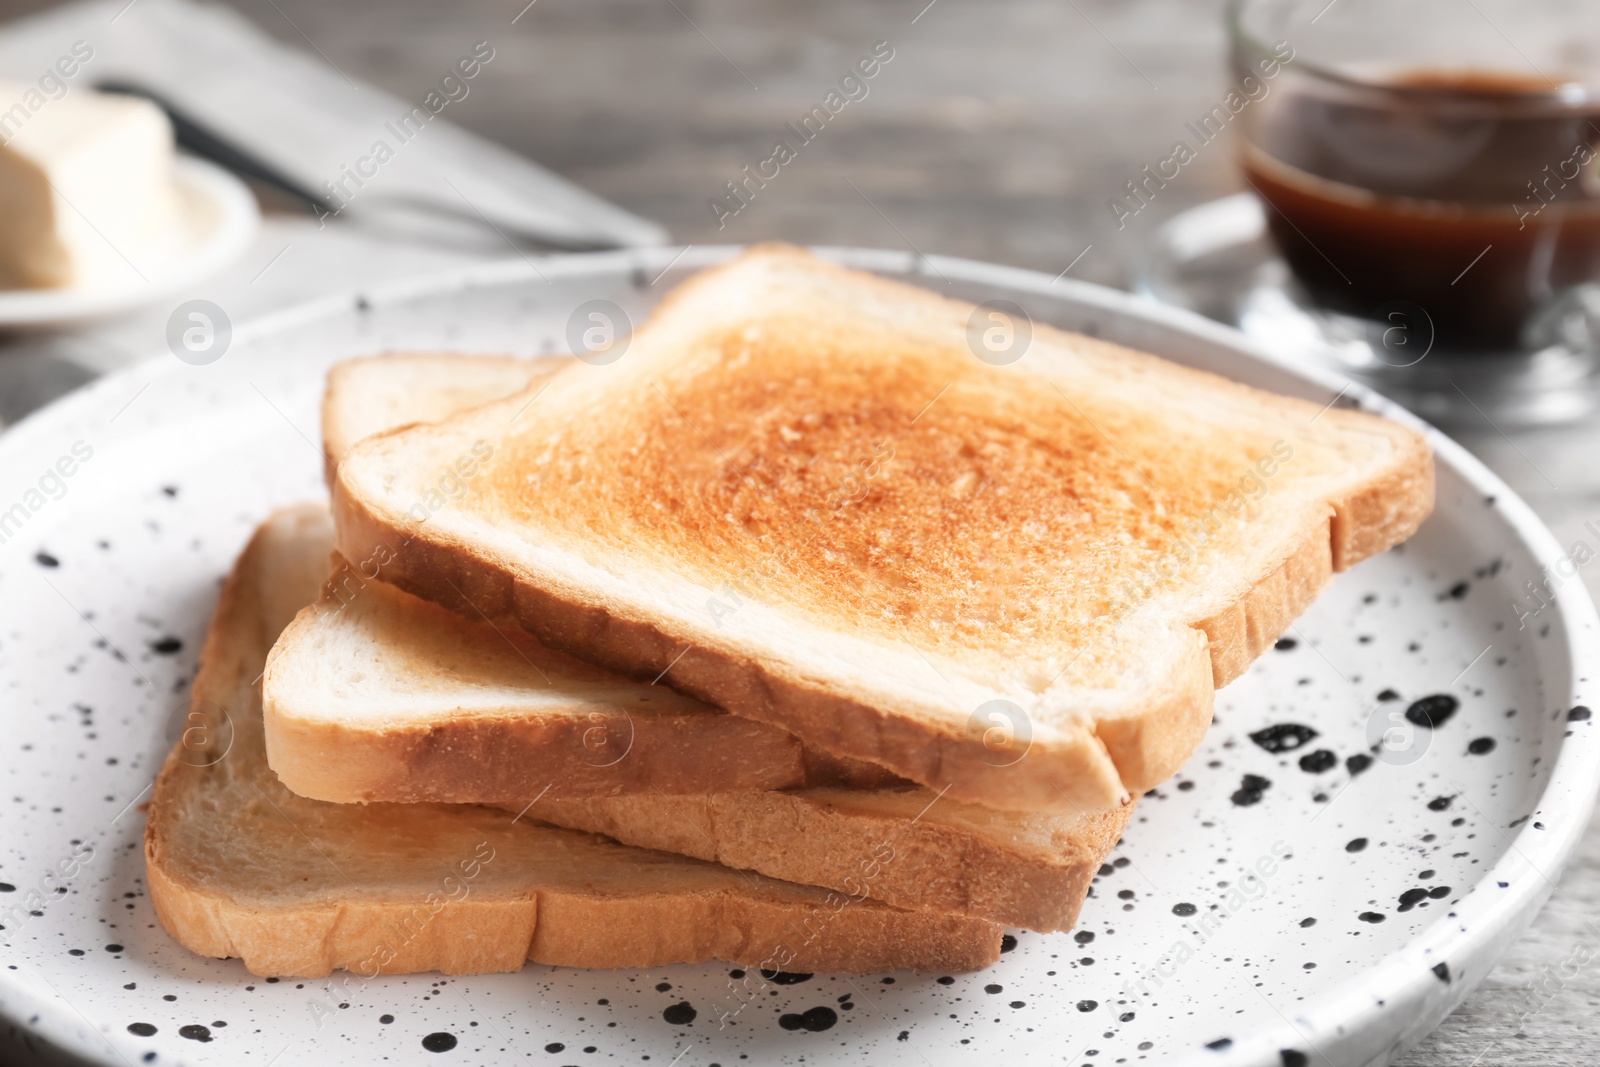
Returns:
<point x="999" y="131"/>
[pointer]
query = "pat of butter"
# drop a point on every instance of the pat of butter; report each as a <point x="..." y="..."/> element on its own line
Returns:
<point x="87" y="196"/>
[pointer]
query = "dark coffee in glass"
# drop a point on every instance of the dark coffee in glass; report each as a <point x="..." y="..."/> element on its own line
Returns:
<point x="1403" y="169"/>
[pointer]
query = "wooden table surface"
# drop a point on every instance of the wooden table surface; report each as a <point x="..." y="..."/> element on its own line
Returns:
<point x="996" y="131"/>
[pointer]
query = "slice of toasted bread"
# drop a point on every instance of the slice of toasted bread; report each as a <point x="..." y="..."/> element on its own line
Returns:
<point x="803" y="495"/>
<point x="372" y="694"/>
<point x="371" y="394"/>
<point x="239" y="866"/>
<point x="905" y="846"/>
<point x="387" y="697"/>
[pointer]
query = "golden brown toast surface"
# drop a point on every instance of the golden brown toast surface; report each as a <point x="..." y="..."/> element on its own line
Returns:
<point x="995" y="524"/>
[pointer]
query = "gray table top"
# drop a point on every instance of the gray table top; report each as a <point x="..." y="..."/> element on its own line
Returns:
<point x="997" y="131"/>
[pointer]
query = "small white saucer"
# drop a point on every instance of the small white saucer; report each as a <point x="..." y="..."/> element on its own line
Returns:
<point x="220" y="219"/>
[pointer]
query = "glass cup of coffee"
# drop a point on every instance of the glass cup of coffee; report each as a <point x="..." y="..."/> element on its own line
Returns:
<point x="1430" y="166"/>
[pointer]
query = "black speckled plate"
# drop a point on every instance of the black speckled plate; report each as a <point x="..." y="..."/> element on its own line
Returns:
<point x="1381" y="807"/>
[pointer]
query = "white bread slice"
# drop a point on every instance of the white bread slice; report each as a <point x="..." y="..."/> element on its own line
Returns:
<point x="372" y="694"/>
<point x="394" y="698"/>
<point x="802" y="490"/>
<point x="239" y="866"/>
<point x="370" y="394"/>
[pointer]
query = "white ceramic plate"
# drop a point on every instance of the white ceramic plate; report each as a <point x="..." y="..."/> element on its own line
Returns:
<point x="220" y="219"/>
<point x="1237" y="920"/>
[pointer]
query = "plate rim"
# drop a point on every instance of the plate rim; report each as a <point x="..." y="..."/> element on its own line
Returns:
<point x="1396" y="981"/>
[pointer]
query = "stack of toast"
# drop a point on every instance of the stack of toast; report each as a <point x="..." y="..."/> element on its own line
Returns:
<point x="802" y="636"/>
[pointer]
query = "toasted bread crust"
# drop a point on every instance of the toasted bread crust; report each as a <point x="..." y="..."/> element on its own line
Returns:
<point x="476" y="761"/>
<point x="470" y="760"/>
<point x="827" y="838"/>
<point x="1249" y="626"/>
<point x="230" y="873"/>
<point x="566" y="929"/>
<point x="1386" y="510"/>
